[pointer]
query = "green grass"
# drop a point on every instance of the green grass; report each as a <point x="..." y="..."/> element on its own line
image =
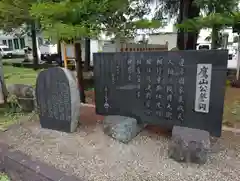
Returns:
<point x="19" y="75"/>
<point x="12" y="60"/>
<point x="4" y="177"/>
<point x="15" y="75"/>
<point x="8" y="118"/>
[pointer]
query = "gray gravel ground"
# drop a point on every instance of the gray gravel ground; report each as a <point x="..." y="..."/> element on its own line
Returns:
<point x="91" y="155"/>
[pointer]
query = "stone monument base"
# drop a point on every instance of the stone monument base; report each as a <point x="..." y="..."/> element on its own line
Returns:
<point x="189" y="145"/>
<point x="52" y="124"/>
<point x="121" y="128"/>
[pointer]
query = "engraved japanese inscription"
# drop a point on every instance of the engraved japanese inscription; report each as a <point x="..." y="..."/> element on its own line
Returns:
<point x="57" y="97"/>
<point x="159" y="88"/>
<point x="163" y="88"/>
<point x="170" y="90"/>
<point x="148" y="88"/>
<point x="203" y="86"/>
<point x="129" y="69"/>
<point x="138" y="78"/>
<point x="180" y="101"/>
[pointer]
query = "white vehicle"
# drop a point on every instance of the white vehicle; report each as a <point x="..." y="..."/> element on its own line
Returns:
<point x="203" y="46"/>
<point x="232" y="54"/>
<point x="5" y="51"/>
<point x="47" y="50"/>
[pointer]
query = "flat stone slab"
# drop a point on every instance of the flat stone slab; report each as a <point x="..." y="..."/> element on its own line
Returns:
<point x="189" y="145"/>
<point x="121" y="128"/>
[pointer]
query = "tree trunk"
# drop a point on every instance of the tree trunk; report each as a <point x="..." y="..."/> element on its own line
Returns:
<point x="87" y="54"/>
<point x="191" y="41"/>
<point x="34" y="46"/>
<point x="187" y="10"/>
<point x="180" y="35"/>
<point x="214" y="43"/>
<point x="79" y="70"/>
<point x="193" y="11"/>
<point x="59" y="52"/>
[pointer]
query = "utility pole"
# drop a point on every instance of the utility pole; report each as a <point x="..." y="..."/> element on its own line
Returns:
<point x="238" y="58"/>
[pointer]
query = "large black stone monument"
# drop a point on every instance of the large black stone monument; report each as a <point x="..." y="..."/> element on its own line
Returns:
<point x="181" y="88"/>
<point x="58" y="100"/>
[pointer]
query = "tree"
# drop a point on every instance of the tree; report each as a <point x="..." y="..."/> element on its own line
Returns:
<point x="217" y="15"/>
<point x="87" y="54"/>
<point x="182" y="9"/>
<point x="88" y="18"/>
<point x="215" y="21"/>
<point x="190" y="9"/>
<point x="14" y="15"/>
<point x="214" y="9"/>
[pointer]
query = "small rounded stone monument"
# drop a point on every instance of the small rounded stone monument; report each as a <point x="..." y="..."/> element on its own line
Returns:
<point x="58" y="100"/>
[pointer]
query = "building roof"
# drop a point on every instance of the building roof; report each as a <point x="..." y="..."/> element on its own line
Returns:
<point x="164" y="33"/>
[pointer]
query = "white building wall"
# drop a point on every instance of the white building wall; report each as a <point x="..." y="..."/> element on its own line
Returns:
<point x="171" y="37"/>
<point x="95" y="46"/>
<point x="162" y="38"/>
<point x="8" y="39"/>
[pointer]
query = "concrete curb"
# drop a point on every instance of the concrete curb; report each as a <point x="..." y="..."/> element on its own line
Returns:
<point x="234" y="130"/>
<point x="88" y="105"/>
<point x="21" y="167"/>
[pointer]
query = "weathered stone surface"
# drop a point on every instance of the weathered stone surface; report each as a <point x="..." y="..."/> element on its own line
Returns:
<point x="58" y="99"/>
<point x="189" y="145"/>
<point x="24" y="94"/>
<point x="121" y="128"/>
<point x="3" y="83"/>
<point x="172" y="77"/>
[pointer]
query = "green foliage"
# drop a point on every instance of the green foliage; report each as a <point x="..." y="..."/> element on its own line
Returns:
<point x="217" y="6"/>
<point x="78" y="18"/>
<point x="217" y="14"/>
<point x="4" y="177"/>
<point x="213" y="19"/>
<point x="147" y="24"/>
<point x="14" y="13"/>
<point x="88" y="18"/>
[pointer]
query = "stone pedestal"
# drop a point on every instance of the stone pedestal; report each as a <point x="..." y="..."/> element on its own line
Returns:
<point x="121" y="128"/>
<point x="189" y="145"/>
